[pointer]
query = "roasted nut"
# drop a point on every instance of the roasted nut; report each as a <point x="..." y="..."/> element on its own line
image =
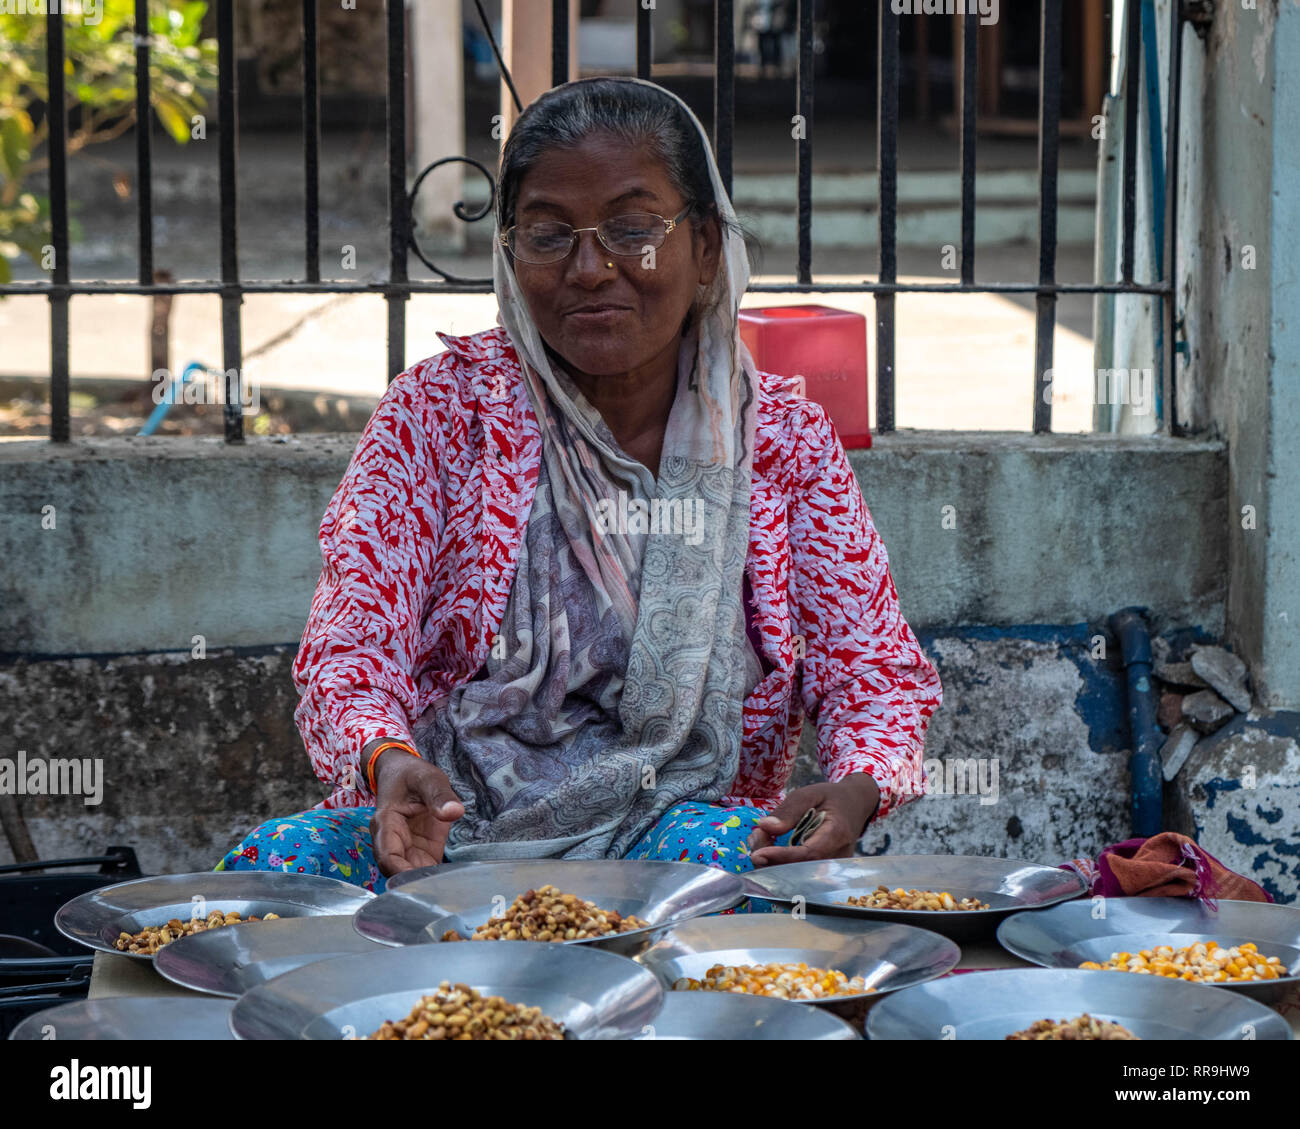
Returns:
<point x="885" y="898"/>
<point x="1081" y="1027"/>
<point x="545" y="914"/>
<point x="460" y="1012"/>
<point x="154" y="937"/>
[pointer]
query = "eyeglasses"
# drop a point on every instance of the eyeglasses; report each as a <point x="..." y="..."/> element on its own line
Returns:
<point x="631" y="234"/>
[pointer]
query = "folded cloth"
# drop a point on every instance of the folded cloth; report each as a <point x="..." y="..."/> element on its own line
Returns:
<point x="1167" y="865"/>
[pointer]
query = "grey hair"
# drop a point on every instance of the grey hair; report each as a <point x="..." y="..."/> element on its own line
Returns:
<point x="636" y="112"/>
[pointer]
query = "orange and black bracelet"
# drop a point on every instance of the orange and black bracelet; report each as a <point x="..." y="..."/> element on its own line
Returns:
<point x="370" y="764"/>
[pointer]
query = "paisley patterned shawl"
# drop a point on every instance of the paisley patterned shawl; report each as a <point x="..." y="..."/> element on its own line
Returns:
<point x="625" y="663"/>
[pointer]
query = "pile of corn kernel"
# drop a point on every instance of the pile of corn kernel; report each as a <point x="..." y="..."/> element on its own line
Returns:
<point x="1204" y="962"/>
<point x="792" y="981"/>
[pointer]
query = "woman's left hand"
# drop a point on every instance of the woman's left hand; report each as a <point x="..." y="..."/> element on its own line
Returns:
<point x="849" y="806"/>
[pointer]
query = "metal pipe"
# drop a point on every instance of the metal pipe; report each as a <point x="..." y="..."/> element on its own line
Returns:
<point x="1049" y="145"/>
<point x="1132" y="92"/>
<point x="143" y="142"/>
<point x="803" y="145"/>
<point x="1171" y="210"/>
<point x="311" y="135"/>
<point x="57" y="145"/>
<point x="232" y="333"/>
<point x="1145" y="779"/>
<point x="969" y="42"/>
<point x="887" y="216"/>
<point x="724" y="87"/>
<point x="644" y="41"/>
<point x="425" y="286"/>
<point x="559" y="42"/>
<point x="399" y="211"/>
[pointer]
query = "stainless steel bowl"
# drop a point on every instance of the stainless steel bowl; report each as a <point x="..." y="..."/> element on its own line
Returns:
<point x="730" y="1017"/>
<point x="1007" y="885"/>
<point x="1067" y="935"/>
<point x="596" y="995"/>
<point x="888" y="957"/>
<point x="131" y="1017"/>
<point x="231" y="960"/>
<point x="416" y="873"/>
<point x="97" y="918"/>
<point x="463" y="896"/>
<point x="993" y="1005"/>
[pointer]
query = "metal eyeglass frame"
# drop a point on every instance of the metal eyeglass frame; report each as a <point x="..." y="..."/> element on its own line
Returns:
<point x="670" y="225"/>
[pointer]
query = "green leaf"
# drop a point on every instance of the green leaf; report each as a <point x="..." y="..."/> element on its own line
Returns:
<point x="173" y="119"/>
<point x="15" y="142"/>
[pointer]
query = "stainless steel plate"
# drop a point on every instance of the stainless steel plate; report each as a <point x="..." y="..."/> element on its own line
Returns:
<point x="131" y="1017"/>
<point x="97" y="918"/>
<point x="889" y="957"/>
<point x="462" y="896"/>
<point x="728" y="1016"/>
<point x="1067" y="935"/>
<point x="993" y="1005"/>
<point x="416" y="873"/>
<point x="1007" y="885"/>
<point x="231" y="960"/>
<point x="596" y="995"/>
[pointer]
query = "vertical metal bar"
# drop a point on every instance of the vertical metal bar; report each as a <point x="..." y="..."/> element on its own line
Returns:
<point x="1049" y="141"/>
<point x="311" y="135"/>
<point x="803" y="146"/>
<point x="1132" y="96"/>
<point x="724" y="87"/>
<point x="559" y="41"/>
<point x="398" y="213"/>
<point x="232" y="347"/>
<point x="1172" y="426"/>
<point x="921" y="52"/>
<point x="644" y="40"/>
<point x="969" y="112"/>
<point x="57" y="138"/>
<point x="143" y="143"/>
<point x="887" y="174"/>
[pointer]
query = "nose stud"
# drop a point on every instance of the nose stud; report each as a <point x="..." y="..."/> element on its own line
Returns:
<point x="610" y="265"/>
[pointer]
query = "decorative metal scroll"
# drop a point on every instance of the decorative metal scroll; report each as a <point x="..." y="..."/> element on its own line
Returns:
<point x="459" y="209"/>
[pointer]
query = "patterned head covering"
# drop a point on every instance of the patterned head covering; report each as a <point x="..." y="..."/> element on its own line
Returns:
<point x="676" y="593"/>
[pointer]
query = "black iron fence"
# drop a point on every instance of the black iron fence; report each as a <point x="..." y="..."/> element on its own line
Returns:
<point x="399" y="286"/>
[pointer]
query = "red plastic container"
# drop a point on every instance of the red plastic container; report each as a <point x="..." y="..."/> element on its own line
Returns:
<point x="828" y="348"/>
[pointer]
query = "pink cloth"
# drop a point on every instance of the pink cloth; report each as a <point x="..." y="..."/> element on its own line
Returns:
<point x="1168" y="865"/>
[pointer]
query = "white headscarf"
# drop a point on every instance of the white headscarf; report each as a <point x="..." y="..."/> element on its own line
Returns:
<point x="681" y="603"/>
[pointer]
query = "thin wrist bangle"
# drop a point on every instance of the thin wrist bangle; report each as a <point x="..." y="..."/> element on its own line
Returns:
<point x="370" y="764"/>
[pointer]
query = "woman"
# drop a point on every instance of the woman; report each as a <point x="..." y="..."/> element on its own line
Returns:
<point x="587" y="569"/>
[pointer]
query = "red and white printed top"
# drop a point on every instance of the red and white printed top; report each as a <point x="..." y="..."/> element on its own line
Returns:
<point x="421" y="539"/>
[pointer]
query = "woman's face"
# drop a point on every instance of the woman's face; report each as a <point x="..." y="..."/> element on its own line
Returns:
<point x="608" y="321"/>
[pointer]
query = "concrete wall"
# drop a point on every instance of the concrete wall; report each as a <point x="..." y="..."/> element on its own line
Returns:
<point x="1240" y="286"/>
<point x="154" y="542"/>
<point x="196" y="752"/>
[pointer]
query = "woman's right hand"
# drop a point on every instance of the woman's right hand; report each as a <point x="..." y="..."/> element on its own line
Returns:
<point x="414" y="810"/>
